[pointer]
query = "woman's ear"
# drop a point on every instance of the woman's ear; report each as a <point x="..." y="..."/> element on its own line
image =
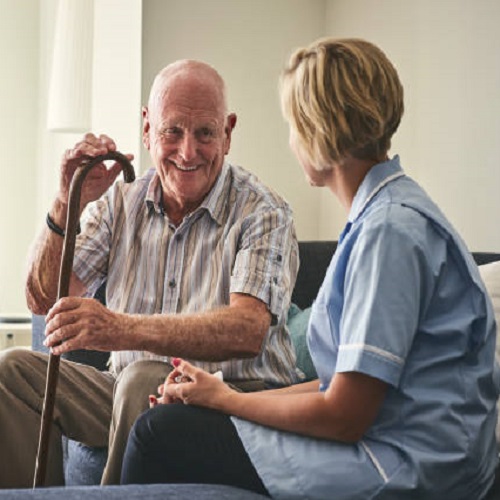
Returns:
<point x="145" y="127"/>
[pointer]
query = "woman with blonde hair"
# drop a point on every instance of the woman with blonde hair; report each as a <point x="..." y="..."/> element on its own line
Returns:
<point x="402" y="333"/>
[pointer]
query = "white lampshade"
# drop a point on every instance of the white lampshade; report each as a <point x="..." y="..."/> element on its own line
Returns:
<point x="69" y="105"/>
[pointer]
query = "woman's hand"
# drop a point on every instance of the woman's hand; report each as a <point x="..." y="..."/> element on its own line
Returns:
<point x="191" y="385"/>
<point x="174" y="377"/>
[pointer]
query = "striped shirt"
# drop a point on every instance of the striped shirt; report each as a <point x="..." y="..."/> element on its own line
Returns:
<point x="241" y="239"/>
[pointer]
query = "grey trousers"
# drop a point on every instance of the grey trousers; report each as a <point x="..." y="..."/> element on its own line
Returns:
<point x="91" y="407"/>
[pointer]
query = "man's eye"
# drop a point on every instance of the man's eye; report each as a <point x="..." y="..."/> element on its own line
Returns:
<point x="170" y="131"/>
<point x="205" y="133"/>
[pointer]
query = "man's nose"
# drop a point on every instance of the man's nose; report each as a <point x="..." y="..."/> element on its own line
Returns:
<point x="187" y="147"/>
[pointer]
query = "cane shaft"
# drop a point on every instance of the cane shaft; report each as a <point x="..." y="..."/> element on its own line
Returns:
<point x="68" y="253"/>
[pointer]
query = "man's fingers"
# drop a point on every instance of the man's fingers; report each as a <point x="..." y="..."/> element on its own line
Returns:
<point x="107" y="141"/>
<point x="64" y="304"/>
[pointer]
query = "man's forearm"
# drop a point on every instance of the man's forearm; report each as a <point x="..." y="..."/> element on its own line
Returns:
<point x="212" y="336"/>
<point x="44" y="264"/>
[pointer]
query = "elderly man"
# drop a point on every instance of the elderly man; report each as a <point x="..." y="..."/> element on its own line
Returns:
<point x="199" y="259"/>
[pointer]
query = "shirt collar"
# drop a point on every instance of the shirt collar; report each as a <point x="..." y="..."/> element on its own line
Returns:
<point x="376" y="178"/>
<point x="211" y="202"/>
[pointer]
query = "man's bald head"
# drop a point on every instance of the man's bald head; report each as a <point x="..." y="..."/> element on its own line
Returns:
<point x="192" y="73"/>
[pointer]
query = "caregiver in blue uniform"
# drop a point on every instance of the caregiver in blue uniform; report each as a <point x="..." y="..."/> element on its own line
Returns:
<point x="402" y="332"/>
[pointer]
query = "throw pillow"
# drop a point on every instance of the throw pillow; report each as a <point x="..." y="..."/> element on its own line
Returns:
<point x="490" y="273"/>
<point x="297" y="323"/>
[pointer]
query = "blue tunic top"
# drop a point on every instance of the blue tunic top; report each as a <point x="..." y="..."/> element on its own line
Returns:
<point x="402" y="301"/>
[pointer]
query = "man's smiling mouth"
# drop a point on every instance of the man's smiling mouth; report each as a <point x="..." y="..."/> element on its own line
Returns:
<point x="186" y="169"/>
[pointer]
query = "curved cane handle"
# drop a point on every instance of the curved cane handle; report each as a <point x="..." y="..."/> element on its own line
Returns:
<point x="74" y="212"/>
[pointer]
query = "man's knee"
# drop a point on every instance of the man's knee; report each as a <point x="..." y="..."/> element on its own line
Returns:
<point x="15" y="361"/>
<point x="139" y="379"/>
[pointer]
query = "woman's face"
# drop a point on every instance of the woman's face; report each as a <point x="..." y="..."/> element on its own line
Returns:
<point x="314" y="176"/>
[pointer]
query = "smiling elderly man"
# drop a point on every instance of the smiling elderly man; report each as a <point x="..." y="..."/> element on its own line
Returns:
<point x="199" y="258"/>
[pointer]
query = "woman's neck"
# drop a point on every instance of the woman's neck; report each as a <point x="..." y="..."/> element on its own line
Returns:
<point x="347" y="176"/>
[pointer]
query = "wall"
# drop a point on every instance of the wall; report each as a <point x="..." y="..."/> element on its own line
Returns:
<point x="19" y="28"/>
<point x="447" y="56"/>
<point x="116" y="105"/>
<point x="248" y="43"/>
<point x="446" y="53"/>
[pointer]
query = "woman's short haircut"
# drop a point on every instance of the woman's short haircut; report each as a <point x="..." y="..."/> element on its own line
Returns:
<point x="342" y="97"/>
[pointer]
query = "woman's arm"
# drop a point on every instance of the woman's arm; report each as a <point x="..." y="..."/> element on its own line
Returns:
<point x="343" y="412"/>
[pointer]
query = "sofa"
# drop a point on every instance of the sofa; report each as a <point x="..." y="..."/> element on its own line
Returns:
<point x="84" y="465"/>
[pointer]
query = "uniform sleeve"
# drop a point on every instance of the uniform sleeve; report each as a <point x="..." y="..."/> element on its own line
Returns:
<point x="266" y="263"/>
<point x="386" y="285"/>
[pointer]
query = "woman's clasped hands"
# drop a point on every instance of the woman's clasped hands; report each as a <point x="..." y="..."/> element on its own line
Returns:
<point x="191" y="385"/>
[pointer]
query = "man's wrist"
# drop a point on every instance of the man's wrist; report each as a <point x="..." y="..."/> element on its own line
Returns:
<point x="55" y="228"/>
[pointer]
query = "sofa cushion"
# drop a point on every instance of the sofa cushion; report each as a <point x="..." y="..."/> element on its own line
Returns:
<point x="134" y="492"/>
<point x="297" y="325"/>
<point x="490" y="273"/>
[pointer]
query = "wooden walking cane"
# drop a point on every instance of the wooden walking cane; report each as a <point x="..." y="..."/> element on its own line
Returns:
<point x="63" y="290"/>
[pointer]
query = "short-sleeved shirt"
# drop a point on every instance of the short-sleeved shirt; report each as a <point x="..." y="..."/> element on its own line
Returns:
<point x="402" y="301"/>
<point x="241" y="239"/>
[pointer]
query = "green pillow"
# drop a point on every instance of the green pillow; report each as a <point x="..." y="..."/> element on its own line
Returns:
<point x="297" y="323"/>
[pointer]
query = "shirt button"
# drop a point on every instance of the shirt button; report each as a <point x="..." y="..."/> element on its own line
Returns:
<point x="171" y="283"/>
<point x="279" y="258"/>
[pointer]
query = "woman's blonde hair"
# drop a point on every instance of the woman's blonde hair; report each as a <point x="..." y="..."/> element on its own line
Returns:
<point x="341" y="97"/>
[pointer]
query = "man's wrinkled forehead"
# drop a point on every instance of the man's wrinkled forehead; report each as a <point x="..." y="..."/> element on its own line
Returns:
<point x="189" y="81"/>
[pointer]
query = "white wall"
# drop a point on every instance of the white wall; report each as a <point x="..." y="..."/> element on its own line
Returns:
<point x="117" y="80"/>
<point x="19" y="21"/>
<point x="447" y="55"/>
<point x="248" y="43"/>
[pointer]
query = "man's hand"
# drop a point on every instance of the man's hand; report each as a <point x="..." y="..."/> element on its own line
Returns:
<point x="99" y="179"/>
<point x="78" y="323"/>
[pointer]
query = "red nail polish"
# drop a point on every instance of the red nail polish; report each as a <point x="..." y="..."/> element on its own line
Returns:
<point x="152" y="399"/>
<point x="176" y="362"/>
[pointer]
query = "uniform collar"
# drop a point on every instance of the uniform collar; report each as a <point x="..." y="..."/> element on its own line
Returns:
<point x="377" y="177"/>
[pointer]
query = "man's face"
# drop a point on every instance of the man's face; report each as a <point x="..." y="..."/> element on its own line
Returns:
<point x="188" y="135"/>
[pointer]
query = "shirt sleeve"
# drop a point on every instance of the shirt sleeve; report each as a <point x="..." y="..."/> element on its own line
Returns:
<point x="93" y="245"/>
<point x="385" y="291"/>
<point x="266" y="263"/>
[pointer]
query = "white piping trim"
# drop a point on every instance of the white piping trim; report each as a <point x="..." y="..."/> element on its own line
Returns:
<point x="378" y="187"/>
<point x="376" y="350"/>
<point x="376" y="463"/>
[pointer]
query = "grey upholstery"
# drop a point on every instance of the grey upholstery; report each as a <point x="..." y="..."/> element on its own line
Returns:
<point x="134" y="492"/>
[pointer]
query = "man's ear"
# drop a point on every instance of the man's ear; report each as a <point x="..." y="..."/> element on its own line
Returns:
<point x="145" y="127"/>
<point x="230" y="124"/>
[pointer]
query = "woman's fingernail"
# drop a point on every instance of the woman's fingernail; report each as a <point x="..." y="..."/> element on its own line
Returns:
<point x="153" y="400"/>
<point x="176" y="362"/>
